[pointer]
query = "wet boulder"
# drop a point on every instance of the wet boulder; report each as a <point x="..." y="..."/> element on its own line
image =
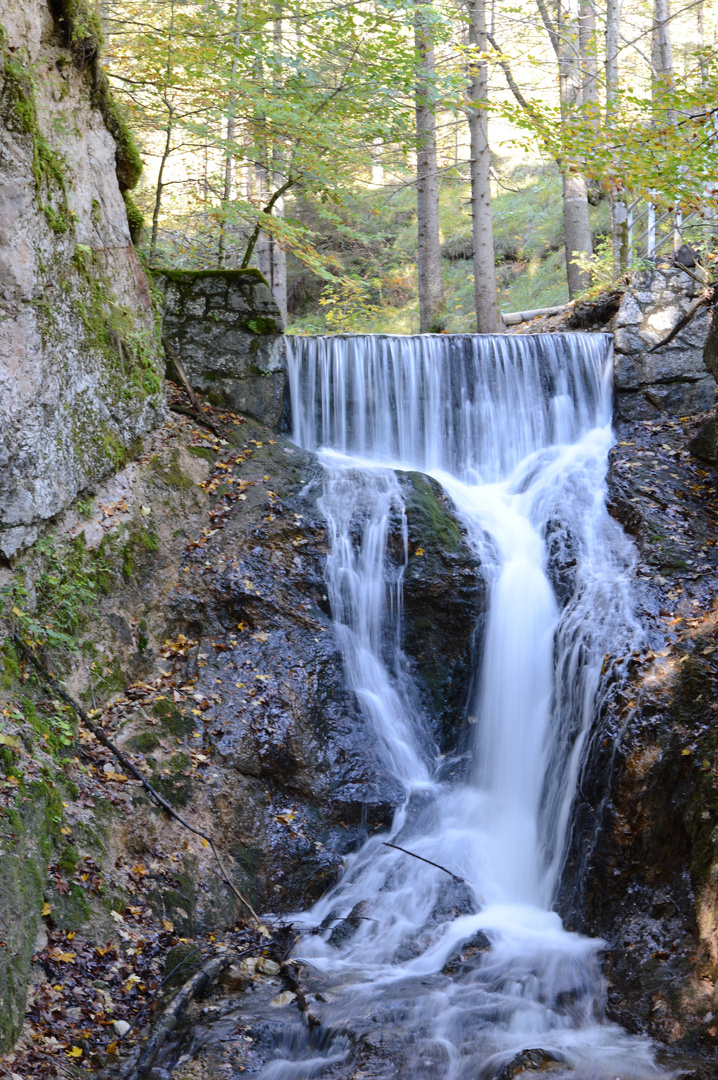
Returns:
<point x="444" y="598"/>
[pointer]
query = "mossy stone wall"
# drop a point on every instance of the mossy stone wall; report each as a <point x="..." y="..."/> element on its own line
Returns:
<point x="227" y="330"/>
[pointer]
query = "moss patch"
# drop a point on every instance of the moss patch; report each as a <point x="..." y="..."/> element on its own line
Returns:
<point x="430" y="524"/>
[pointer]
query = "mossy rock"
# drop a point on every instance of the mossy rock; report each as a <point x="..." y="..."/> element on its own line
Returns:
<point x="24" y="861"/>
<point x="431" y="525"/>
<point x="145" y="742"/>
<point x="173" y="720"/>
<point x="181" y="963"/>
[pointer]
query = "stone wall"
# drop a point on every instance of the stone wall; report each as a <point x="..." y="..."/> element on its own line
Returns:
<point x="677" y="379"/>
<point x="227" y="330"/>
<point x="79" y="360"/>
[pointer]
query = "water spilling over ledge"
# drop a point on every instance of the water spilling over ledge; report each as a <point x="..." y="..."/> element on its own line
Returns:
<point x="457" y="974"/>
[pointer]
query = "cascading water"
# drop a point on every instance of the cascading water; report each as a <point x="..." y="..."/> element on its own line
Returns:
<point x="517" y="431"/>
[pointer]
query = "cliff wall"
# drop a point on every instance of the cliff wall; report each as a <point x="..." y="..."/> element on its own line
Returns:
<point x="79" y="358"/>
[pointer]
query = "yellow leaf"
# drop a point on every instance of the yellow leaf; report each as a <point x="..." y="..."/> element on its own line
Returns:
<point x="112" y="1048"/>
<point x="686" y="752"/>
<point x="76" y="1052"/>
<point x="10" y="740"/>
<point x="65" y="831"/>
<point x="419" y="551"/>
<point x="46" y="909"/>
<point x="16" y="611"/>
<point x="205" y="843"/>
<point x="168" y="925"/>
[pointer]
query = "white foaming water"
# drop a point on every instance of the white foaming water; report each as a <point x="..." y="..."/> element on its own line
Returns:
<point x="517" y="430"/>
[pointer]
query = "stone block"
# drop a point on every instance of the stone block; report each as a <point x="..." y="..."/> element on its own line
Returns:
<point x="683" y="398"/>
<point x="673" y="362"/>
<point x="627" y="371"/>
<point x="227" y="330"/>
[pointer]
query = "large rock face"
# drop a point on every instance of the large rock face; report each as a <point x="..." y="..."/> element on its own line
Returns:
<point x="675" y="379"/>
<point x="642" y="868"/>
<point x="79" y="362"/>
<point x="227" y="330"/>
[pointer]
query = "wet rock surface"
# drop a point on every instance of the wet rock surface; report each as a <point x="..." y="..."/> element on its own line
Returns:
<point x="642" y="866"/>
<point x="443" y="595"/>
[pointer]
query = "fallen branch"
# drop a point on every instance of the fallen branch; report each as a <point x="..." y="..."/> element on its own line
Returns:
<point x="707" y="299"/>
<point x="460" y="880"/>
<point x="199" y="417"/>
<point x="174" y="1012"/>
<point x="513" y="318"/>
<point x="127" y="764"/>
<point x="188" y="388"/>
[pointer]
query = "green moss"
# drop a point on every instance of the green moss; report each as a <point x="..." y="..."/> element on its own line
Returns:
<point x="79" y="23"/>
<point x="128" y="163"/>
<point x="204" y="452"/>
<point x="132" y="353"/>
<point x="145" y="742"/>
<point x="188" y="277"/>
<point x="69" y="859"/>
<point x="260" y="324"/>
<point x="173" y="720"/>
<point x="170" y="473"/>
<point x="49" y="168"/>
<point x="429" y="522"/>
<point x="177" y="788"/>
<point x="135" y="218"/>
<point x="24" y="849"/>
<point x="138" y="545"/>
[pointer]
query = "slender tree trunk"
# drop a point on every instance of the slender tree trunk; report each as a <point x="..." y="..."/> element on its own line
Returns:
<point x="619" y="216"/>
<point x="488" y="320"/>
<point x="431" y="291"/>
<point x="576" y="224"/>
<point x="229" y="154"/>
<point x="589" y="53"/>
<point x="168" y="136"/>
<point x="271" y="258"/>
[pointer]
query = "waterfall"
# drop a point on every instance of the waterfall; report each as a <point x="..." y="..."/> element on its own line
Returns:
<point x="517" y="430"/>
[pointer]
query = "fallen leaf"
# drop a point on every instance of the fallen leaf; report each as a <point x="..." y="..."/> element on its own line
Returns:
<point x="168" y="925"/>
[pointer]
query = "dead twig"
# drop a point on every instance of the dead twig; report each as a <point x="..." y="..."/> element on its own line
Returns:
<point x="127" y="764"/>
<point x="459" y="880"/>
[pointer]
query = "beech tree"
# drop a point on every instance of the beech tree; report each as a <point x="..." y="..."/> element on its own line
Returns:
<point x="431" y="290"/>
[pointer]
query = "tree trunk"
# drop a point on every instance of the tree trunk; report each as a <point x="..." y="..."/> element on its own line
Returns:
<point x="576" y="224"/>
<point x="576" y="230"/>
<point x="271" y="257"/>
<point x="589" y="53"/>
<point x="168" y="136"/>
<point x="431" y="292"/>
<point x="619" y="223"/>
<point x="488" y="320"/>
<point x="229" y="154"/>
